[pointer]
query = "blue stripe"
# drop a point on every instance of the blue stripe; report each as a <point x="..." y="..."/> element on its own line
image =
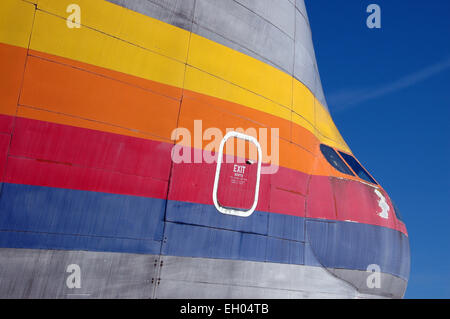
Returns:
<point x="52" y="218"/>
<point x="355" y="246"/>
<point x="273" y="225"/>
<point x="197" y="241"/>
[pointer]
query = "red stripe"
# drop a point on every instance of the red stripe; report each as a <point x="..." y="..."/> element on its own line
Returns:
<point x="95" y="149"/>
<point x="55" y="155"/>
<point x="4" y="145"/>
<point x="34" y="172"/>
<point x="6" y="123"/>
<point x="194" y="183"/>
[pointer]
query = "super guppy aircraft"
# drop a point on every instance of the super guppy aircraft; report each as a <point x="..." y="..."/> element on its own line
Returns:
<point x="108" y="110"/>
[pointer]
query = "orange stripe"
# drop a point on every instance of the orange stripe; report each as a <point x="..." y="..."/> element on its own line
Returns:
<point x="163" y="89"/>
<point x="77" y="94"/>
<point x="158" y="52"/>
<point x="63" y="89"/>
<point x="12" y="60"/>
<point x="94" y="95"/>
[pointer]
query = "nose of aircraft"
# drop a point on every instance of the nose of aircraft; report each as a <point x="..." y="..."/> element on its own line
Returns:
<point x="354" y="229"/>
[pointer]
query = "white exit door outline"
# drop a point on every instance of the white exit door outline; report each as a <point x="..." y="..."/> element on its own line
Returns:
<point x="230" y="211"/>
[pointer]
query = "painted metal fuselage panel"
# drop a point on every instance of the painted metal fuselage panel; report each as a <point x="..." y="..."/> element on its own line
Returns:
<point x="87" y="122"/>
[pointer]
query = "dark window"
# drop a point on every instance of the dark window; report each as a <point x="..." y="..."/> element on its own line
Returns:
<point x="358" y="169"/>
<point x="334" y="159"/>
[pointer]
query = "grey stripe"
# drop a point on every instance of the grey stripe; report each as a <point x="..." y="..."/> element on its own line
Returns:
<point x="29" y="273"/>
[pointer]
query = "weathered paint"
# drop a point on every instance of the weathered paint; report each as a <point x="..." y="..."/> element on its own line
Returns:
<point x="86" y="122"/>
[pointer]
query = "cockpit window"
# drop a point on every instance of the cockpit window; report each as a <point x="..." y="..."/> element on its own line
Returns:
<point x="334" y="159"/>
<point x="357" y="168"/>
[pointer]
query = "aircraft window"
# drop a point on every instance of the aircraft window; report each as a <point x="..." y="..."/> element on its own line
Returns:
<point x="357" y="168"/>
<point x="334" y="159"/>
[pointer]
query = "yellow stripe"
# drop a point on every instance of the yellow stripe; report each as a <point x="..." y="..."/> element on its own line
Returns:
<point x="16" y="22"/>
<point x="303" y="102"/>
<point x="327" y="130"/>
<point x="204" y="83"/>
<point x="125" y="24"/>
<point x="241" y="70"/>
<point x="119" y="39"/>
<point x="51" y="35"/>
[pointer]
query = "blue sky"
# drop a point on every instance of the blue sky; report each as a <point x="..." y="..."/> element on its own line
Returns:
<point x="388" y="91"/>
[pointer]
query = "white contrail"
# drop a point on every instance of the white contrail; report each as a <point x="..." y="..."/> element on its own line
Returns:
<point x="349" y="98"/>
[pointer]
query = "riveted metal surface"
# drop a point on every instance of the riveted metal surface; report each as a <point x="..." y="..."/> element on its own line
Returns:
<point x="275" y="32"/>
<point x="176" y="12"/>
